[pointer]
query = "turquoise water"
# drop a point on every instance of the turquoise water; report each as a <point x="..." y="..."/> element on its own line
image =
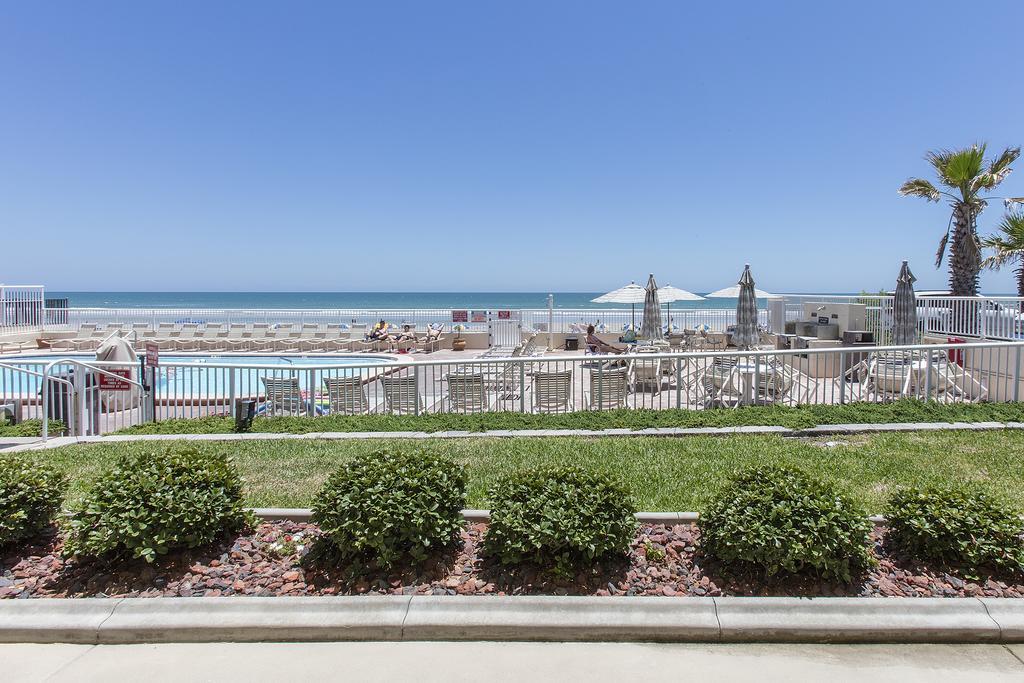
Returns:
<point x="194" y="376"/>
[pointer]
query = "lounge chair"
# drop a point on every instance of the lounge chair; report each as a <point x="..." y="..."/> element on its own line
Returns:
<point x="96" y="336"/>
<point x="608" y="389"/>
<point x="261" y="338"/>
<point x="237" y="338"/>
<point x="401" y="395"/>
<point x="284" y="397"/>
<point x="646" y="372"/>
<point x="552" y="391"/>
<point x="186" y="339"/>
<point x="346" y="395"/>
<point x="431" y="341"/>
<point x="467" y="393"/>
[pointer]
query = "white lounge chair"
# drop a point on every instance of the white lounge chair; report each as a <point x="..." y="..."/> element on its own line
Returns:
<point x="346" y="395"/>
<point x="608" y="388"/>
<point x="552" y="391"/>
<point x="284" y="397"/>
<point x="467" y="393"/>
<point x="401" y="395"/>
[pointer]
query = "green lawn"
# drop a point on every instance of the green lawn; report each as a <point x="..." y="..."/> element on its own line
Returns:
<point x="664" y="474"/>
<point x="908" y="410"/>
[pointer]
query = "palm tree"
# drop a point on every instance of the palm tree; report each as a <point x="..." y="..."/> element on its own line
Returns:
<point x="965" y="175"/>
<point x="1009" y="247"/>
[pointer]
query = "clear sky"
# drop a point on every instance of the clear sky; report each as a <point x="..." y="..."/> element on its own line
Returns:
<point x="495" y="146"/>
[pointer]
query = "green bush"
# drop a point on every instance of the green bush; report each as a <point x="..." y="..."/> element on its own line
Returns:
<point x="783" y="520"/>
<point x="384" y="506"/>
<point x="30" y="428"/>
<point x="150" y="503"/>
<point x="558" y="517"/>
<point x="957" y="524"/>
<point x="30" y="494"/>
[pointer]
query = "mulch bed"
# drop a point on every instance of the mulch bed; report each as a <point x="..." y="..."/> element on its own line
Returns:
<point x="663" y="560"/>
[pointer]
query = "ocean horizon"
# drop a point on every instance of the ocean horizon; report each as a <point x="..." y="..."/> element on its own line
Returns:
<point x="349" y="300"/>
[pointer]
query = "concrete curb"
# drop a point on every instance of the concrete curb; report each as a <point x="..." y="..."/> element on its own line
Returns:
<point x="668" y="432"/>
<point x="545" y="618"/>
<point x="305" y="514"/>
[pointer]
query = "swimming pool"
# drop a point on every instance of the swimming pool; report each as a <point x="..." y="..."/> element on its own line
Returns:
<point x="183" y="377"/>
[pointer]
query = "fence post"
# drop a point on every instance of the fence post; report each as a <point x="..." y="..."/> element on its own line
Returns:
<point x="842" y="378"/>
<point x="45" y="433"/>
<point x="928" y="377"/>
<point x="522" y="387"/>
<point x="679" y="382"/>
<point x="231" y="393"/>
<point x="1016" y="377"/>
<point x="79" y="401"/>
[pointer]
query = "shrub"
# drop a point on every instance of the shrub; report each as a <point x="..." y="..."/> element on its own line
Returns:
<point x="558" y="517"/>
<point x="963" y="525"/>
<point x="30" y="494"/>
<point x="783" y="520"/>
<point x="380" y="507"/>
<point x="150" y="503"/>
<point x="31" y="428"/>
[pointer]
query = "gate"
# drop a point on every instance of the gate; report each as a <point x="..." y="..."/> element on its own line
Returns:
<point x="504" y="329"/>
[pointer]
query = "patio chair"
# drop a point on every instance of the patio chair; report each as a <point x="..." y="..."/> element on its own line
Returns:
<point x="431" y="341"/>
<point x="346" y="395"/>
<point x="96" y="336"/>
<point x="646" y="372"/>
<point x="284" y="397"/>
<point x="186" y="339"/>
<point x="401" y="395"/>
<point x="213" y="338"/>
<point x="262" y="337"/>
<point x="954" y="382"/>
<point x="314" y="338"/>
<point x="467" y="393"/>
<point x="608" y="389"/>
<point x="552" y="391"/>
<point x="237" y="337"/>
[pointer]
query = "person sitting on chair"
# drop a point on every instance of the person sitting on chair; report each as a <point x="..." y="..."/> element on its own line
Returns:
<point x="379" y="331"/>
<point x="595" y="344"/>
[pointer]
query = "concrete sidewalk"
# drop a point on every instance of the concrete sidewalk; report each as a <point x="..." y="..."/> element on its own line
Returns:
<point x="488" y="661"/>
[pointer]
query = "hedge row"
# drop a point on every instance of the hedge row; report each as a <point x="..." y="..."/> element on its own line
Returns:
<point x="388" y="507"/>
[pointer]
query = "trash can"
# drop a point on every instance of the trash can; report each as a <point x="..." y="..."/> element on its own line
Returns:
<point x="956" y="355"/>
<point x="572" y="344"/>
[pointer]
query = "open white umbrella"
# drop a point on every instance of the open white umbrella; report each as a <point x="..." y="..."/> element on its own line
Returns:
<point x="668" y="294"/>
<point x="631" y="294"/>
<point x="734" y="293"/>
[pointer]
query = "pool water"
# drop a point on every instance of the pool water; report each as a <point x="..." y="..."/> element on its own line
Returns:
<point x="186" y="377"/>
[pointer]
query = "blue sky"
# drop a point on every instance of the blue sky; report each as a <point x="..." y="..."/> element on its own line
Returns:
<point x="563" y="146"/>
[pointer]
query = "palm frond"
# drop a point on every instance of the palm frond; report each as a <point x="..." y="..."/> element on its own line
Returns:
<point x="963" y="166"/>
<point x="939" y="160"/>
<point x="1008" y="243"/>
<point x="1000" y="166"/>
<point x="919" y="187"/>
<point x="941" y="251"/>
<point x="1010" y="202"/>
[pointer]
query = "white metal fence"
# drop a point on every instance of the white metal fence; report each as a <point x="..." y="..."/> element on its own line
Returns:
<point x="71" y="390"/>
<point x="22" y="309"/>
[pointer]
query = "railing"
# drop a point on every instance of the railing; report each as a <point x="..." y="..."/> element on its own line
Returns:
<point x="560" y="320"/>
<point x="21" y="309"/>
<point x="693" y="380"/>
<point x="989" y="317"/>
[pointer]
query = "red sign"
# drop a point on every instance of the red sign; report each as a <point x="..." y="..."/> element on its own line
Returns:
<point x="110" y="383"/>
<point x="152" y="355"/>
<point x="460" y="316"/>
<point x="479" y="316"/>
<point x="504" y="315"/>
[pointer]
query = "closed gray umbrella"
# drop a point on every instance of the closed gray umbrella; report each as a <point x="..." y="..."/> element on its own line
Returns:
<point x="904" y="314"/>
<point x="650" y="328"/>
<point x="746" y="336"/>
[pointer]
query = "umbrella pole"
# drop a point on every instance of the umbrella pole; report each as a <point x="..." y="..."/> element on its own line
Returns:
<point x="634" y="316"/>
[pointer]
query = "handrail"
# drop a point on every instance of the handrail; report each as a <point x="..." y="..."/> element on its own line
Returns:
<point x="46" y="377"/>
<point x="44" y="430"/>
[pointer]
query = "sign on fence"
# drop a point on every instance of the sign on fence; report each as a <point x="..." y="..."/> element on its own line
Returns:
<point x="152" y="355"/>
<point x="460" y="316"/>
<point x="504" y="315"/>
<point x="479" y="316"/>
<point x="110" y="383"/>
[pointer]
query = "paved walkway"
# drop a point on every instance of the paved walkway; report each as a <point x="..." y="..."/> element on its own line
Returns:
<point x="487" y="661"/>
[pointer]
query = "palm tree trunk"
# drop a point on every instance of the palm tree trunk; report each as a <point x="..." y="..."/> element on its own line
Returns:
<point x="964" y="261"/>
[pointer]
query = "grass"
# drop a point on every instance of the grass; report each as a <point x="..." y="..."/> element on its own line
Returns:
<point x="664" y="474"/>
<point x="908" y="410"/>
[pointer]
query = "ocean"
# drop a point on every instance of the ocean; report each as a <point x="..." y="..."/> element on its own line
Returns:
<point x="353" y="300"/>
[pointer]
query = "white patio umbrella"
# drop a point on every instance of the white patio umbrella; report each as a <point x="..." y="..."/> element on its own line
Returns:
<point x="631" y="294"/>
<point x="734" y="293"/>
<point x="668" y="294"/>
